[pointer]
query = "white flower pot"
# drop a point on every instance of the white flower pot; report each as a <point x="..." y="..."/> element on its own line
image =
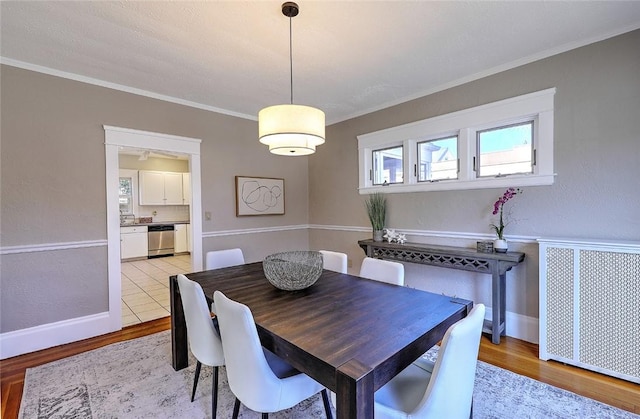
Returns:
<point x="500" y="245"/>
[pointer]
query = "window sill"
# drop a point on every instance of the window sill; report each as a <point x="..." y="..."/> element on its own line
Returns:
<point x="454" y="185"/>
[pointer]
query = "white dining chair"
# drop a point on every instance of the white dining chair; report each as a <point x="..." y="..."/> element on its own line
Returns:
<point x="334" y="261"/>
<point x="253" y="378"/>
<point x="382" y="270"/>
<point x="204" y="340"/>
<point x="217" y="259"/>
<point x="443" y="389"/>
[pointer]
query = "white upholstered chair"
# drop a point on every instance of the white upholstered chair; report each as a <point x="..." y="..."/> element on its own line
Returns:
<point x="334" y="261"/>
<point x="382" y="270"/>
<point x="251" y="375"/>
<point x="440" y="390"/>
<point x="204" y="340"/>
<point x="217" y="259"/>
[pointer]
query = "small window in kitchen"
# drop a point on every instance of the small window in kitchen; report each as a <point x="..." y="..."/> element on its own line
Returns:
<point x="438" y="159"/>
<point x="387" y="166"/>
<point x="126" y="196"/>
<point x="505" y="150"/>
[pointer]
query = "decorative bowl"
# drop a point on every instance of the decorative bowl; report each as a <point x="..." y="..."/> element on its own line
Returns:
<point x="292" y="271"/>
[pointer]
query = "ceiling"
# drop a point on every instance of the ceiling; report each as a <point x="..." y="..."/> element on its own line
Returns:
<point x="349" y="58"/>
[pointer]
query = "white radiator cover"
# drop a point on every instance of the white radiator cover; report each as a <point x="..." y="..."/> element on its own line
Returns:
<point x="590" y="305"/>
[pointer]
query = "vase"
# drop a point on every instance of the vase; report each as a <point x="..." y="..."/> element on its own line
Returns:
<point x="377" y="235"/>
<point x="500" y="245"/>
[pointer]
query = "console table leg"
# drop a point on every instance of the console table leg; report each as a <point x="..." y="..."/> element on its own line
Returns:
<point x="503" y="303"/>
<point x="496" y="299"/>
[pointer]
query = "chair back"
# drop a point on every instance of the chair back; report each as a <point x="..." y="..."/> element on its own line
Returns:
<point x="334" y="261"/>
<point x="217" y="259"/>
<point x="204" y="341"/>
<point x="250" y="377"/>
<point x="382" y="270"/>
<point x="450" y="390"/>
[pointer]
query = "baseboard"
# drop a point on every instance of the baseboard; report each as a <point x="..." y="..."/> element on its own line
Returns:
<point x="519" y="326"/>
<point x="53" y="334"/>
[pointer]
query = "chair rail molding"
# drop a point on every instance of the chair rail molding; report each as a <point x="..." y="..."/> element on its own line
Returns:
<point x="49" y="247"/>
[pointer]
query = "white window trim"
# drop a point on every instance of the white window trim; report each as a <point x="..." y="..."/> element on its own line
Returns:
<point x="465" y="123"/>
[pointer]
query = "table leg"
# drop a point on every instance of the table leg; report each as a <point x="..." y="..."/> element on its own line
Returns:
<point x="354" y="391"/>
<point x="179" y="350"/>
<point x="503" y="303"/>
<point x="496" y="309"/>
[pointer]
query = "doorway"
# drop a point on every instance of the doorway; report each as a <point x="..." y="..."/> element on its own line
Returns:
<point x="115" y="139"/>
<point x="145" y="280"/>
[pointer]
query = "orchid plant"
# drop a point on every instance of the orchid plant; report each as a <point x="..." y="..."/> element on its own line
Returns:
<point x="498" y="208"/>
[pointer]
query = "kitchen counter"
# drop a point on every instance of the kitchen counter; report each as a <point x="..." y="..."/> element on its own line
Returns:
<point x="154" y="223"/>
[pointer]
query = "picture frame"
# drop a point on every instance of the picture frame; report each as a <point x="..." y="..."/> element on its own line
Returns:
<point x="259" y="196"/>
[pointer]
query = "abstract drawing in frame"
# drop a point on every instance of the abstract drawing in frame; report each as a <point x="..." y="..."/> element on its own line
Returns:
<point x="259" y="196"/>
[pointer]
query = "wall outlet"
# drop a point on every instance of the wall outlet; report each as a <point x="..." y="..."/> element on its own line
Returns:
<point x="349" y="263"/>
<point x="207" y="215"/>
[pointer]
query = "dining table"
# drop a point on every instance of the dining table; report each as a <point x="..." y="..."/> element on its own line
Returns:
<point x="348" y="333"/>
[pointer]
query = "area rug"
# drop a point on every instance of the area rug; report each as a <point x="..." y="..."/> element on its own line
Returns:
<point x="134" y="379"/>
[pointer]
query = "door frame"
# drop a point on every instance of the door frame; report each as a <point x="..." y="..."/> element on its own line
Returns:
<point x="115" y="138"/>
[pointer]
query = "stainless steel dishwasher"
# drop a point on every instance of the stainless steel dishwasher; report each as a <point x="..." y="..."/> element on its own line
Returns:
<point x="161" y="239"/>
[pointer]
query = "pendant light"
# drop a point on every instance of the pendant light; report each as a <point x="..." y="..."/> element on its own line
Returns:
<point x="291" y="130"/>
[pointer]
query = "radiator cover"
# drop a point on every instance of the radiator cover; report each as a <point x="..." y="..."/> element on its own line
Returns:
<point x="590" y="305"/>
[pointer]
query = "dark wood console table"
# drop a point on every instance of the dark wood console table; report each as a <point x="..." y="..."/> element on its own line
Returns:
<point x="466" y="259"/>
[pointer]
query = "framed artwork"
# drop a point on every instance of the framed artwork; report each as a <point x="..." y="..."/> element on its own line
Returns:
<point x="259" y="196"/>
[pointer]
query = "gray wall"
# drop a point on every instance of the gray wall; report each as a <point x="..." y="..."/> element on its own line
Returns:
<point x="53" y="188"/>
<point x="596" y="194"/>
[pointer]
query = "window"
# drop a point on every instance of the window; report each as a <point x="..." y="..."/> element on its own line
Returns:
<point x="505" y="150"/>
<point x="438" y="159"/>
<point x="387" y="166"/>
<point x="500" y="144"/>
<point x="126" y="196"/>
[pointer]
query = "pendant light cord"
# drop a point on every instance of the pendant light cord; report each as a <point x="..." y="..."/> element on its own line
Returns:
<point x="291" y="57"/>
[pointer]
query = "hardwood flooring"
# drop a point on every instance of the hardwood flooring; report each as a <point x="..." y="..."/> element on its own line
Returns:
<point x="512" y="354"/>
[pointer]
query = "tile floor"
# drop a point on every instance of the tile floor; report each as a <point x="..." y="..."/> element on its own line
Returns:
<point x="145" y="287"/>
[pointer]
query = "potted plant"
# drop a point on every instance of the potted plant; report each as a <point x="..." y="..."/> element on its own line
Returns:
<point x="500" y="244"/>
<point x="377" y="211"/>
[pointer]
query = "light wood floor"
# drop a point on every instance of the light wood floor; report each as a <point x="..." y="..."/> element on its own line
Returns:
<point x="512" y="354"/>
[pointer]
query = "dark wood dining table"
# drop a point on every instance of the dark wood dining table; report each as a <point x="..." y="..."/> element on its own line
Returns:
<point x="350" y="334"/>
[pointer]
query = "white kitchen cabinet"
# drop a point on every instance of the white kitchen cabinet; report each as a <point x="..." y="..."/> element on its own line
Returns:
<point x="133" y="242"/>
<point x="173" y="189"/>
<point x="160" y="188"/>
<point x="181" y="240"/>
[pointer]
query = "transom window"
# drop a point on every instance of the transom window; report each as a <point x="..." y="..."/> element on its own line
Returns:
<point x="505" y="150"/>
<point x="387" y="166"/>
<point x="501" y="144"/>
<point x="438" y="159"/>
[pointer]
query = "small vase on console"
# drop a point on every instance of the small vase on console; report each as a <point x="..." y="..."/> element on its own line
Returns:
<point x="500" y="245"/>
<point x="376" y="205"/>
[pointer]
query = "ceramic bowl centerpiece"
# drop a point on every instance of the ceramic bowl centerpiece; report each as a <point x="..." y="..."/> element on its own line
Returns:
<point x="292" y="271"/>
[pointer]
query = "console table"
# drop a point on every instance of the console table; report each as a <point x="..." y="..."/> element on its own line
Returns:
<point x="466" y="259"/>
